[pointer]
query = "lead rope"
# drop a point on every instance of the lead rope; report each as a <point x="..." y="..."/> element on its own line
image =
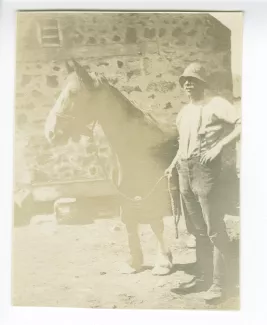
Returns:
<point x="137" y="198"/>
<point x="175" y="215"/>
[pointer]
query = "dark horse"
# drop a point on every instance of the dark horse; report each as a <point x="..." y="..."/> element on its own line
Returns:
<point x="144" y="151"/>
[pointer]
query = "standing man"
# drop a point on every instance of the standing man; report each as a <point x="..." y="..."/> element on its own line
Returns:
<point x="201" y="127"/>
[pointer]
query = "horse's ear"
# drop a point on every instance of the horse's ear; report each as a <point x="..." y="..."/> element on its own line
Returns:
<point x="69" y="68"/>
<point x="76" y="64"/>
<point x="83" y="74"/>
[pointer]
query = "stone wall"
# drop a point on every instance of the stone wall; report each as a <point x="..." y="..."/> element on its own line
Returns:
<point x="141" y="54"/>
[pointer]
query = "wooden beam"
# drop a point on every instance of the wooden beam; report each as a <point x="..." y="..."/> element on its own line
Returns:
<point x="88" y="51"/>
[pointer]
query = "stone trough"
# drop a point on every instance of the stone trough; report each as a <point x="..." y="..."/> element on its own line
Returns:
<point x="91" y="197"/>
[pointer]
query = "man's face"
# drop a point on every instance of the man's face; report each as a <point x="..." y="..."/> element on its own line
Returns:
<point x="193" y="87"/>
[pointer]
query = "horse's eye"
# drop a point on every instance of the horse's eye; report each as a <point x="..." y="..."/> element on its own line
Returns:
<point x="74" y="91"/>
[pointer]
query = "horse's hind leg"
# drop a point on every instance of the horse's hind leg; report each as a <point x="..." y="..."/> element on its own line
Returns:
<point x="163" y="263"/>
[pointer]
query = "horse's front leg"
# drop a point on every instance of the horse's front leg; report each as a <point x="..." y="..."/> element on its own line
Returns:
<point x="136" y="255"/>
<point x="163" y="263"/>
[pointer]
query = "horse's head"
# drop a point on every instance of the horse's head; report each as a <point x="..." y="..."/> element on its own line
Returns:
<point x="75" y="107"/>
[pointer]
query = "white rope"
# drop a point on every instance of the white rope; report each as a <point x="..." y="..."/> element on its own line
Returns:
<point x="175" y="214"/>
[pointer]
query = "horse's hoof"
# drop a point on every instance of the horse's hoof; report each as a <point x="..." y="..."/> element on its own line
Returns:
<point x="161" y="270"/>
<point x="128" y="269"/>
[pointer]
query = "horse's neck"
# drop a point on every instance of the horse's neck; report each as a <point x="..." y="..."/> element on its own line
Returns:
<point x="128" y="133"/>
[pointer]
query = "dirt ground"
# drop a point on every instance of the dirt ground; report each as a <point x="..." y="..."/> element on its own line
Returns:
<point x="80" y="266"/>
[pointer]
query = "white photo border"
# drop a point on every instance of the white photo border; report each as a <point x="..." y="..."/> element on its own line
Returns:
<point x="253" y="176"/>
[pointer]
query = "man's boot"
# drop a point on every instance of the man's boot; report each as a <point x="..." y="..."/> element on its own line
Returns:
<point x="204" y="260"/>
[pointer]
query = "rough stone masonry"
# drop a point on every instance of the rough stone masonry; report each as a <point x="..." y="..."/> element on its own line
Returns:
<point x="142" y="54"/>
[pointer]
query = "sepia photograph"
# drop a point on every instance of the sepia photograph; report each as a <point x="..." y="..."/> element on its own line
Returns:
<point x="127" y="138"/>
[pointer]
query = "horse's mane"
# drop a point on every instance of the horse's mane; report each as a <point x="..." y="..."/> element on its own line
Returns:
<point x="130" y="107"/>
<point x="94" y="80"/>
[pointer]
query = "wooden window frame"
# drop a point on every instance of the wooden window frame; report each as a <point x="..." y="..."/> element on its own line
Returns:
<point x="41" y="37"/>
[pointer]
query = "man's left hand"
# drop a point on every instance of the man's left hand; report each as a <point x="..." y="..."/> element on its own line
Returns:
<point x="211" y="154"/>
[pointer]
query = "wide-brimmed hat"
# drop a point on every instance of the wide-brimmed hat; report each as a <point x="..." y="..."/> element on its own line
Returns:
<point x="194" y="70"/>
